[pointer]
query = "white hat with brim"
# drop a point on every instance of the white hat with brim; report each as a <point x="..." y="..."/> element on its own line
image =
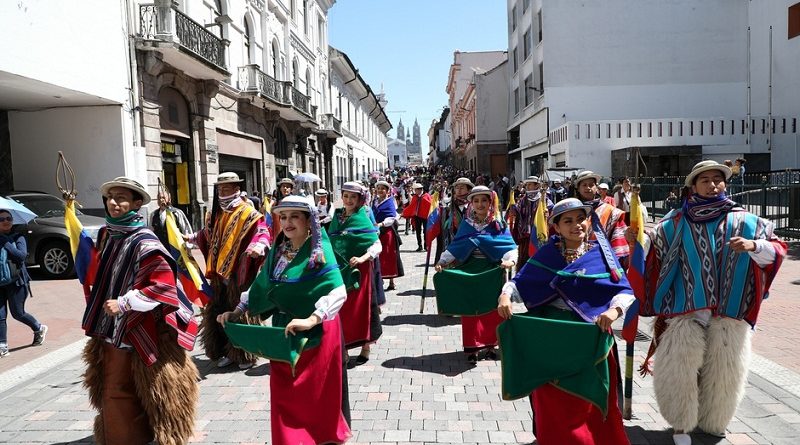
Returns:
<point x="383" y="184"/>
<point x="293" y="202"/>
<point x="568" y="205"/>
<point x="587" y="174"/>
<point x="416" y="185"/>
<point x="128" y="183"/>
<point x="531" y="179"/>
<point x="479" y="190"/>
<point x="228" y="178"/>
<point x="464" y="181"/>
<point x="321" y="192"/>
<point x="603" y="186"/>
<point x="353" y="187"/>
<point x="705" y="166"/>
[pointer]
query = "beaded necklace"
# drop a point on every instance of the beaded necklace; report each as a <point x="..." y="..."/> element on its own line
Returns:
<point x="571" y="255"/>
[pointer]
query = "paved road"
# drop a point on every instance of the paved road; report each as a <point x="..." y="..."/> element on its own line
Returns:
<point x="416" y="389"/>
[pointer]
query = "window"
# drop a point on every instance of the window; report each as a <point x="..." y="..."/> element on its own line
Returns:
<point x="526" y="44"/>
<point x="275" y="59"/>
<point x="320" y="32"/>
<point x="514" y="56"/>
<point x="528" y="90"/>
<point x="794" y="20"/>
<point x="281" y="145"/>
<point x="305" y="17"/>
<point x="513" y="18"/>
<point x="539" y="22"/>
<point x="295" y="74"/>
<point x="247" y="37"/>
<point x="293" y="9"/>
<point x="525" y="5"/>
<point x="516" y="101"/>
<point x="308" y="83"/>
<point x="541" y="78"/>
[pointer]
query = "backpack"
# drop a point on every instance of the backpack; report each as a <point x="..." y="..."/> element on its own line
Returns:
<point x="9" y="271"/>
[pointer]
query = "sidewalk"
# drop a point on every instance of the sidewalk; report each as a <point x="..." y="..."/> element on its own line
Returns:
<point x="417" y="388"/>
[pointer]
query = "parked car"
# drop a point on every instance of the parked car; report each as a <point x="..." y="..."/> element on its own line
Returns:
<point x="48" y="244"/>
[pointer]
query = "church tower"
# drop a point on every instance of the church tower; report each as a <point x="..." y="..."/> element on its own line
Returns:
<point x="401" y="135"/>
<point x="417" y="142"/>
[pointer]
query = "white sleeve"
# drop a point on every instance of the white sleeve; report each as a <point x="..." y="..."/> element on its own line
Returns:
<point x="244" y="301"/>
<point x="328" y="306"/>
<point x="764" y="255"/>
<point x="622" y="301"/>
<point x="446" y="258"/>
<point x="511" y="255"/>
<point x="389" y="221"/>
<point x="138" y="301"/>
<point x="375" y="249"/>
<point x="510" y="288"/>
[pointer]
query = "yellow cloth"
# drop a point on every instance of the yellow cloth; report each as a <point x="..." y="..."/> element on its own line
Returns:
<point x="226" y="240"/>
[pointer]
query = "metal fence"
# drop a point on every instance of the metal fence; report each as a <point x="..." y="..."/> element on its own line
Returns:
<point x="774" y="196"/>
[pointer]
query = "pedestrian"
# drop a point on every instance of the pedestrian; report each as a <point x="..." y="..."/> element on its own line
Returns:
<point x="569" y="281"/>
<point x="474" y="264"/>
<point x="15" y="283"/>
<point x="523" y="214"/>
<point x="355" y="241"/>
<point x="323" y="208"/>
<point x="233" y="244"/>
<point x="610" y="219"/>
<point x="602" y="190"/>
<point x="158" y="221"/>
<point x="138" y="374"/>
<point x="417" y="211"/>
<point x="709" y="268"/>
<point x="284" y="189"/>
<point x="386" y="216"/>
<point x="301" y="283"/>
<point x="558" y="192"/>
<point x="622" y="198"/>
<point x="255" y="198"/>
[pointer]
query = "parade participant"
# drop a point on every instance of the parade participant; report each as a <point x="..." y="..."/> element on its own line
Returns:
<point x="622" y="198"/>
<point x="611" y="219"/>
<point x="523" y="214"/>
<point x="158" y="222"/>
<point x="139" y="377"/>
<point x="417" y="211"/>
<point x="571" y="279"/>
<point x="233" y="244"/>
<point x="301" y="288"/>
<point x="385" y="212"/>
<point x="478" y="254"/>
<point x="285" y="188"/>
<point x="323" y="208"/>
<point x="14" y="291"/>
<point x="558" y="192"/>
<point x="356" y="244"/>
<point x="453" y="214"/>
<point x="602" y="190"/>
<point x="709" y="268"/>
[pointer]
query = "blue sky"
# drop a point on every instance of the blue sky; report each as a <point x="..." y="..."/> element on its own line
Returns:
<point x="408" y="46"/>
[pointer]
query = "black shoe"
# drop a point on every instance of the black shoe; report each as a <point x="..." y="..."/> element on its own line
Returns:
<point x="473" y="358"/>
<point x="391" y="287"/>
<point x="492" y="354"/>
<point x="357" y="361"/>
<point x="419" y="249"/>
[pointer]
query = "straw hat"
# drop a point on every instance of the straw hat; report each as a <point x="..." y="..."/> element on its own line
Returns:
<point x="587" y="174"/>
<point x="464" y="181"/>
<point x="705" y="166"/>
<point x="321" y="192"/>
<point x="228" y="178"/>
<point x="286" y="181"/>
<point x="128" y="183"/>
<point x="531" y="179"/>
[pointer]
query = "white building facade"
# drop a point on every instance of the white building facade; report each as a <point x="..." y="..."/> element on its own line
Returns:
<point x="363" y="147"/>
<point x="398" y="155"/>
<point x="591" y="83"/>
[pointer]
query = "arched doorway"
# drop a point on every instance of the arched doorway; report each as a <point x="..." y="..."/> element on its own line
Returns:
<point x="176" y="149"/>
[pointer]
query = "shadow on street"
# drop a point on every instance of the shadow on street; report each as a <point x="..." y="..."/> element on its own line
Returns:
<point x="449" y="364"/>
<point x="430" y="320"/>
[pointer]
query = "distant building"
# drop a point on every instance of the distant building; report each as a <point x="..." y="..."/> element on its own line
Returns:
<point x="398" y="156"/>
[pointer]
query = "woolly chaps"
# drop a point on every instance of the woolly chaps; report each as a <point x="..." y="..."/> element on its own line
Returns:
<point x="700" y="373"/>
<point x="212" y="334"/>
<point x="167" y="393"/>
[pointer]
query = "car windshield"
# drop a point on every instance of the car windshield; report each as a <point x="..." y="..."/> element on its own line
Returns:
<point x="44" y="206"/>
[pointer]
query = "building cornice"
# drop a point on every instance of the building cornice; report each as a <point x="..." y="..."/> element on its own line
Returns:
<point x="301" y="47"/>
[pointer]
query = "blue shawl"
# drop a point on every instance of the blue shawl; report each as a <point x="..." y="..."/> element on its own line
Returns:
<point x="385" y="209"/>
<point x="491" y="241"/>
<point x="586" y="285"/>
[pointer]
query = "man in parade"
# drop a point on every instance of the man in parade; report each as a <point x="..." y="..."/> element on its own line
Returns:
<point x="418" y="209"/>
<point x="453" y="214"/>
<point x="522" y="215"/>
<point x="611" y="219"/>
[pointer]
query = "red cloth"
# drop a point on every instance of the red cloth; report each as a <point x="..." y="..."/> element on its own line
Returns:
<point x="480" y="331"/>
<point x="563" y="418"/>
<point x="307" y="408"/>
<point x="420" y="206"/>
<point x="389" y="255"/>
<point x="355" y="312"/>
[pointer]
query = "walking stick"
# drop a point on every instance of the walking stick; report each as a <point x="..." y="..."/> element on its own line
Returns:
<point x="425" y="281"/>
<point x="627" y="412"/>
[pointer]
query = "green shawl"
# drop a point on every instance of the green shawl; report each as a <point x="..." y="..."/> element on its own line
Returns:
<point x="469" y="289"/>
<point x="351" y="238"/>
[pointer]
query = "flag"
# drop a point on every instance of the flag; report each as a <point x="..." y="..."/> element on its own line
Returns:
<point x="512" y="201"/>
<point x="267" y="209"/>
<point x="190" y="281"/>
<point x="433" y="226"/>
<point x="635" y="269"/>
<point x="539" y="227"/>
<point x="84" y="252"/>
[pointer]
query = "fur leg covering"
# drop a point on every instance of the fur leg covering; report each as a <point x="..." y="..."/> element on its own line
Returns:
<point x="168" y="390"/>
<point x="724" y="372"/>
<point x="93" y="382"/>
<point x="678" y="361"/>
<point x="213" y="335"/>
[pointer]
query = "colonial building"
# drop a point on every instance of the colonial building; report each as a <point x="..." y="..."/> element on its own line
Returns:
<point x="362" y="149"/>
<point x="439" y="137"/>
<point x="592" y="85"/>
<point x="398" y="156"/>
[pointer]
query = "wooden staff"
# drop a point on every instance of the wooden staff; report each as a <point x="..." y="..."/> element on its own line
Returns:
<point x="425" y="281"/>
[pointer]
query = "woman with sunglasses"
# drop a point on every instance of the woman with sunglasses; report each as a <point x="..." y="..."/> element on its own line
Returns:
<point x="14" y="292"/>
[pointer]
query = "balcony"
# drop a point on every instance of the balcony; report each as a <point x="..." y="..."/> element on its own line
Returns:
<point x="182" y="42"/>
<point x="331" y="126"/>
<point x="253" y="80"/>
<point x="281" y="95"/>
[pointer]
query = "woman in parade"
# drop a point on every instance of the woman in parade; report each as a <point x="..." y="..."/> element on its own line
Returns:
<point x="481" y="244"/>
<point x="301" y="287"/>
<point x="356" y="244"/>
<point x="571" y="284"/>
<point x="385" y="212"/>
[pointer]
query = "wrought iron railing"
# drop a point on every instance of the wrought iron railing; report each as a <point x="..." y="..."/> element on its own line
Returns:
<point x="169" y="24"/>
<point x="329" y="122"/>
<point x="301" y="102"/>
<point x="252" y="79"/>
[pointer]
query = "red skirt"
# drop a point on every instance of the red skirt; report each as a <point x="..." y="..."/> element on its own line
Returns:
<point x="355" y="312"/>
<point x="563" y="418"/>
<point x="391" y="264"/>
<point x="307" y="408"/>
<point x="480" y="331"/>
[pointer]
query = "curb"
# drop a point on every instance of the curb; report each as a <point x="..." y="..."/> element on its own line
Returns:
<point x="38" y="366"/>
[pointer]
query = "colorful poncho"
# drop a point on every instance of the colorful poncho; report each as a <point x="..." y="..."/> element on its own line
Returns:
<point x="231" y="235"/>
<point x="690" y="266"/>
<point x="385" y="209"/>
<point x="291" y="295"/>
<point x="351" y="238"/>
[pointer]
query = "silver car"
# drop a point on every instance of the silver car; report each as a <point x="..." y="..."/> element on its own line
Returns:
<point x="46" y="235"/>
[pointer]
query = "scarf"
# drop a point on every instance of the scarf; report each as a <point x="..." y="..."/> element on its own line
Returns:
<point x="699" y="209"/>
<point x="230" y="202"/>
<point x="125" y="224"/>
